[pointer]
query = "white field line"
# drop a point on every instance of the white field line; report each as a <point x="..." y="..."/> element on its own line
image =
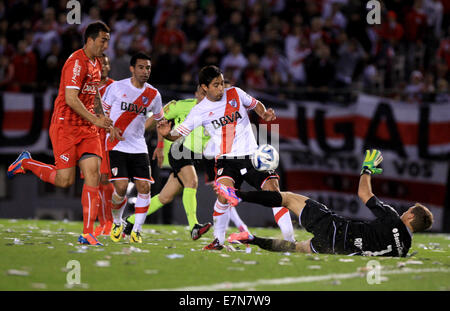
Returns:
<point x="295" y="280"/>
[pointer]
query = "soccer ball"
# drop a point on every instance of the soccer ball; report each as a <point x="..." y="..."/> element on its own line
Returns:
<point x="265" y="158"/>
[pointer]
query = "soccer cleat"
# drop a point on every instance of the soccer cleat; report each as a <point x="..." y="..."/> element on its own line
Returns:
<point x="16" y="166"/>
<point x="128" y="227"/>
<point x="199" y="230"/>
<point x="214" y="245"/>
<point x="240" y="238"/>
<point x="228" y="193"/>
<point x="116" y="232"/>
<point x="88" y="239"/>
<point x="135" y="237"/>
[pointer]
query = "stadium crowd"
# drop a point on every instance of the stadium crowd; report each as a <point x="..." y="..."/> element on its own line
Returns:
<point x="259" y="44"/>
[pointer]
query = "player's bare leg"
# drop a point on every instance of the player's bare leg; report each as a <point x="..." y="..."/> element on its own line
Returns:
<point x="188" y="177"/>
<point x="281" y="214"/>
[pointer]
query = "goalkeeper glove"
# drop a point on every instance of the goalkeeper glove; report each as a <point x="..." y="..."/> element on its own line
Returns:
<point x="371" y="161"/>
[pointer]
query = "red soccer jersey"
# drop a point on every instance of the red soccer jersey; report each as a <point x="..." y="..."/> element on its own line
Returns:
<point x="102" y="89"/>
<point x="79" y="72"/>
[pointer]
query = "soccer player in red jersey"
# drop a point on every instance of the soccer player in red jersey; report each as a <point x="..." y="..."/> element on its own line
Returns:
<point x="77" y="115"/>
<point x="106" y="187"/>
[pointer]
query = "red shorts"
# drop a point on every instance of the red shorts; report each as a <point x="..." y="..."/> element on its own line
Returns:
<point x="105" y="167"/>
<point x="71" y="142"/>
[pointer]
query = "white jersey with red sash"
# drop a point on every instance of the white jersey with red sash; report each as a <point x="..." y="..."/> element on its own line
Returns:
<point x="130" y="108"/>
<point x="226" y="121"/>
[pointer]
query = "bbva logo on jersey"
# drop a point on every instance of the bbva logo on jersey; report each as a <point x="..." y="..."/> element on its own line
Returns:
<point x="228" y="119"/>
<point x="130" y="107"/>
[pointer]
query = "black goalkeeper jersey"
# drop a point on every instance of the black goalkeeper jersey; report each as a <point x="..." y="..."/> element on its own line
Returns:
<point x="387" y="235"/>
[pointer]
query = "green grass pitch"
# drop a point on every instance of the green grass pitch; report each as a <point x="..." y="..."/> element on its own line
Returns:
<point x="36" y="255"/>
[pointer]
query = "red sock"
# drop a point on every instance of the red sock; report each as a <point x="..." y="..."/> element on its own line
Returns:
<point x="45" y="172"/>
<point x="101" y="207"/>
<point x="90" y="200"/>
<point x="108" y="190"/>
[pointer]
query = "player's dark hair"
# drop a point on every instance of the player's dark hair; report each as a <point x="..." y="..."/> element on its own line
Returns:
<point x="93" y="30"/>
<point x="207" y="74"/>
<point x="423" y="219"/>
<point x="137" y="56"/>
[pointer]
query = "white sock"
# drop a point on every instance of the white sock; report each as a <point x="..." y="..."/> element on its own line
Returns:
<point x="234" y="216"/>
<point x="117" y="207"/>
<point x="283" y="219"/>
<point x="221" y="219"/>
<point x="141" y="207"/>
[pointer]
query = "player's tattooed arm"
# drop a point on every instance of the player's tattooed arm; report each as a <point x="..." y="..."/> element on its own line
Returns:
<point x="98" y="107"/>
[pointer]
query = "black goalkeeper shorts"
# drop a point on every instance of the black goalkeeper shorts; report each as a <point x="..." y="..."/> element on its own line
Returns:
<point x="329" y="229"/>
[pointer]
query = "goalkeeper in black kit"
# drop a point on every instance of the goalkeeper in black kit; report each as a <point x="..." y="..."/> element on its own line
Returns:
<point x="388" y="235"/>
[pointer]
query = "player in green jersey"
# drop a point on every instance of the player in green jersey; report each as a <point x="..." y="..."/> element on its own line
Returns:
<point x="181" y="156"/>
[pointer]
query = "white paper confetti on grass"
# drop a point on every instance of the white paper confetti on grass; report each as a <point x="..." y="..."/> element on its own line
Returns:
<point x="236" y="268"/>
<point x="17" y="272"/>
<point x="414" y="262"/>
<point x="346" y="260"/>
<point x="103" y="263"/>
<point x="151" y="271"/>
<point x="314" y="267"/>
<point x="39" y="285"/>
<point x="174" y="256"/>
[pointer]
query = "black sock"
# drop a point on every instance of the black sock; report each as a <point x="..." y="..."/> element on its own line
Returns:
<point x="266" y="198"/>
<point x="274" y="245"/>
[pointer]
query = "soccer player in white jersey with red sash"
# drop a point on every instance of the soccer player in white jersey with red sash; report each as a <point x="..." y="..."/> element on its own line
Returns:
<point x="223" y="113"/>
<point x="131" y="101"/>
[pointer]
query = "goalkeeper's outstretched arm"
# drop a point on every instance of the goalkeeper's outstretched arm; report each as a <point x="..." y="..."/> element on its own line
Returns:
<point x="365" y="188"/>
<point x="371" y="160"/>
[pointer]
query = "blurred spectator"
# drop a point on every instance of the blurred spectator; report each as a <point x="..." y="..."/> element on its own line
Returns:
<point x="170" y="35"/>
<point x="414" y="90"/>
<point x="350" y="54"/>
<point x="212" y="54"/>
<point x="6" y="48"/>
<point x="94" y="15"/>
<point x="210" y="16"/>
<point x="275" y="65"/>
<point x="192" y="27"/>
<point x="25" y="69"/>
<point x="297" y="50"/>
<point x="120" y="64"/>
<point x="235" y="27"/>
<point x="443" y="52"/>
<point x="317" y="32"/>
<point x="435" y="13"/>
<point x="212" y="37"/>
<point x="253" y="75"/>
<point x="53" y="64"/>
<point x="334" y="17"/>
<point x="442" y="92"/>
<point x="234" y="62"/>
<point x="6" y="73"/>
<point x="189" y="56"/>
<point x="255" y="44"/>
<point x="45" y="37"/>
<point x="320" y="70"/>
<point x="168" y="67"/>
